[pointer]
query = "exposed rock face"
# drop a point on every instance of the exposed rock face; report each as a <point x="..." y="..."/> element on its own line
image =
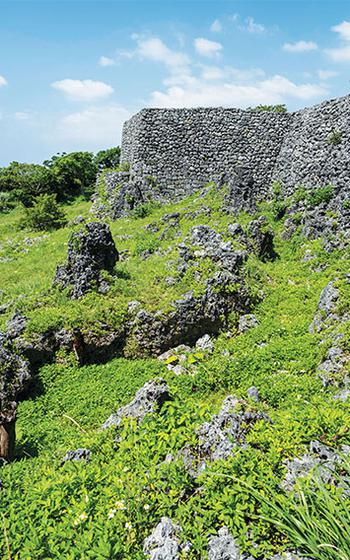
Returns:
<point x="242" y="196"/>
<point x="80" y="454"/>
<point x="148" y="399"/>
<point x="219" y="438"/>
<point x="16" y="325"/>
<point x="14" y="379"/>
<point x="223" y="546"/>
<point x="90" y="251"/>
<point x="247" y="322"/>
<point x="192" y="316"/>
<point x="326" y="309"/>
<point x="320" y="457"/>
<point x="163" y="543"/>
<point x="261" y="238"/>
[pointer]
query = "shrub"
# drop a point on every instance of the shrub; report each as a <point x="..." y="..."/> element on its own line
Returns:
<point x="320" y="196"/>
<point x="270" y="108"/>
<point x="335" y="137"/>
<point x="45" y="214"/>
<point x="107" y="159"/>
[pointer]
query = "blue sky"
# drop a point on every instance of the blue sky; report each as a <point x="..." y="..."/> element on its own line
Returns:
<point x="72" y="71"/>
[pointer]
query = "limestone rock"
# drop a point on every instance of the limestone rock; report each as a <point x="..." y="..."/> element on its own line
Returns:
<point x="148" y="399"/>
<point x="80" y="454"/>
<point x="247" y="322"/>
<point x="218" y="438"/>
<point x="14" y="378"/>
<point x="90" y="251"/>
<point x="326" y="309"/>
<point x="163" y="542"/>
<point x="223" y="546"/>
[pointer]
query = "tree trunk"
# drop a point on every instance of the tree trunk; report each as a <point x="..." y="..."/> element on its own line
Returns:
<point x="7" y="440"/>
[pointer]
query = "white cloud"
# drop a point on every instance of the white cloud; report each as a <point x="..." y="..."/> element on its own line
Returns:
<point x="207" y="48"/>
<point x="300" y="46"/>
<point x="3" y="81"/>
<point x="277" y="89"/>
<point x="216" y="26"/>
<point x="106" y="61"/>
<point x="253" y="27"/>
<point x="83" y="90"/>
<point x="212" y="73"/>
<point x="94" y="127"/>
<point x="153" y="48"/>
<point x="341" y="54"/>
<point x="343" y="29"/>
<point x="326" y="74"/>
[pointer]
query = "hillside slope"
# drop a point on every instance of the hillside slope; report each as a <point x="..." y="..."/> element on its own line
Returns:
<point x="288" y="382"/>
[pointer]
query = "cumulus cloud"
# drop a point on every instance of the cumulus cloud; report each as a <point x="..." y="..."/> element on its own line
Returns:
<point x="94" y="127"/>
<point x="216" y="26"/>
<point x="106" y="61"/>
<point x="207" y="48"/>
<point x="343" y="29"/>
<point x="300" y="46"/>
<point x="277" y="89"/>
<point x="83" y="90"/>
<point x="341" y="54"/>
<point x="153" y="48"/>
<point x="3" y="81"/>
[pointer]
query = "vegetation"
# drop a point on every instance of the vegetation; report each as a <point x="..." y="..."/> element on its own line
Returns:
<point x="45" y="214"/>
<point x="335" y="137"/>
<point x="104" y="508"/>
<point x="65" y="175"/>
<point x="270" y="108"/>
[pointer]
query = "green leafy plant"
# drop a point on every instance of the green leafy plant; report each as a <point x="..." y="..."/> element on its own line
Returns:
<point x="44" y="215"/>
<point x="335" y="137"/>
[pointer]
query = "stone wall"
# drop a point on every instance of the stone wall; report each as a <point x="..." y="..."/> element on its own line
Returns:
<point x="185" y="148"/>
<point x="309" y="156"/>
<point x="173" y="152"/>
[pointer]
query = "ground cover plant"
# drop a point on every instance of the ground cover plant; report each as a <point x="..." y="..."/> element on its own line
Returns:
<point x="104" y="508"/>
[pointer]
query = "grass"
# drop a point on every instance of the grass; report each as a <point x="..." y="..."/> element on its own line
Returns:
<point x="105" y="508"/>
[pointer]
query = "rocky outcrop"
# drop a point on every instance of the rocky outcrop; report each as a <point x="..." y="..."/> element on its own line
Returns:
<point x="148" y="399"/>
<point x="80" y="454"/>
<point x="321" y="460"/>
<point x="14" y="379"/>
<point x="163" y="543"/>
<point x="193" y="316"/>
<point x="223" y="546"/>
<point x="90" y="251"/>
<point x="219" y="438"/>
<point x="326" y="309"/>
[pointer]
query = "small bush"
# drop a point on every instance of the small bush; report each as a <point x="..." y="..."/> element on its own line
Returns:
<point x="320" y="196"/>
<point x="335" y="137"/>
<point x="45" y="214"/>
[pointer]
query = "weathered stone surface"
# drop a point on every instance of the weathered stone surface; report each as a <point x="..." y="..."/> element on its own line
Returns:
<point x="223" y="546"/>
<point x="326" y="309"/>
<point x="320" y="459"/>
<point x="90" y="251"/>
<point x="148" y="399"/>
<point x="80" y="454"/>
<point x="247" y="322"/>
<point x="16" y="325"/>
<point x="205" y="343"/>
<point x="219" y="438"/>
<point x="14" y="378"/>
<point x="154" y="333"/>
<point x="261" y="238"/>
<point x="163" y="542"/>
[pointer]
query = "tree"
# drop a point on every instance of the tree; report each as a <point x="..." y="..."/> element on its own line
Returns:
<point x="107" y="159"/>
<point x="25" y="181"/>
<point x="73" y="174"/>
<point x="45" y="214"/>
